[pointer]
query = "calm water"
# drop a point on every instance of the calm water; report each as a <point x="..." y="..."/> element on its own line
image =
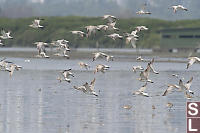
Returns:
<point x="58" y="108"/>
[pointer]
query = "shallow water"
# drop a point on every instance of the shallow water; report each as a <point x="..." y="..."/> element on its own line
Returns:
<point x="33" y="101"/>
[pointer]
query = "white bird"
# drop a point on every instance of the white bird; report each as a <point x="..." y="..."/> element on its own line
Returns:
<point x="42" y="55"/>
<point x="188" y="96"/>
<point x="61" y="44"/>
<point x="62" y="54"/>
<point x="41" y="49"/>
<point x="170" y="88"/>
<point x="62" y="48"/>
<point x="151" y="67"/>
<point x="132" y="40"/>
<point x="137" y="68"/>
<point x="87" y="88"/>
<point x="84" y="65"/>
<point x="110" y="18"/>
<point x="169" y="105"/>
<point x="66" y="75"/>
<point x="1" y="43"/>
<point x="142" y="11"/>
<point x="134" y="33"/>
<point x="80" y="33"/>
<point x="90" y="87"/>
<point x="108" y="57"/>
<point x="141" y="91"/>
<point x="144" y="75"/>
<point x="175" y="75"/>
<point x="187" y="85"/>
<point x="139" y="58"/>
<point x="101" y="68"/>
<point x="192" y="60"/>
<point x="5" y="35"/>
<point x="114" y="36"/>
<point x="103" y="27"/>
<point x="178" y="7"/>
<point x="111" y="26"/>
<point x="36" y="24"/>
<point x="4" y="64"/>
<point x="96" y="55"/>
<point x="13" y="67"/>
<point x="140" y="28"/>
<point x="91" y="29"/>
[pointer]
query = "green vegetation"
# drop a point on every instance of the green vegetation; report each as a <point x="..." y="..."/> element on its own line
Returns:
<point x="60" y="27"/>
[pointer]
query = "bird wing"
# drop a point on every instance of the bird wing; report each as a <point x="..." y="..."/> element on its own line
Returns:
<point x="92" y="84"/>
<point x="103" y="54"/>
<point x="133" y="42"/>
<point x="37" y="21"/>
<point x="189" y="83"/>
<point x="3" y="32"/>
<point x="12" y="68"/>
<point x="168" y="90"/>
<point x="191" y="61"/>
<point x="8" y="33"/>
<point x="153" y="70"/>
<point x="143" y="88"/>
<point x="110" y="19"/>
<point x="134" y="32"/>
<point x="112" y="24"/>
<point x="182" y="86"/>
<point x="198" y="59"/>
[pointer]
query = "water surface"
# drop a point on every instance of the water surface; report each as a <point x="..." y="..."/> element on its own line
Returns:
<point x="33" y="101"/>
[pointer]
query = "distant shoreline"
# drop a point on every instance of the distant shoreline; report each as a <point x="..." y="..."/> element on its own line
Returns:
<point x="85" y="53"/>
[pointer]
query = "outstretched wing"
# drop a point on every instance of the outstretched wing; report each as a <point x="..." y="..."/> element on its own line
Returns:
<point x="3" y="32"/>
<point x="168" y="90"/>
<point x="92" y="84"/>
<point x="143" y="88"/>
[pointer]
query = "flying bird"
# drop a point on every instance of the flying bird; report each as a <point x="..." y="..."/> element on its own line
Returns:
<point x="170" y="88"/>
<point x="84" y="65"/>
<point x="141" y="91"/>
<point x="192" y="60"/>
<point x="41" y="47"/>
<point x="80" y="33"/>
<point x="187" y="85"/>
<point x="66" y="75"/>
<point x="36" y="24"/>
<point x="87" y="88"/>
<point x="143" y="10"/>
<point x="1" y="43"/>
<point x="111" y="26"/>
<point x="5" y="35"/>
<point x="108" y="57"/>
<point x="132" y="40"/>
<point x="137" y="68"/>
<point x="101" y="68"/>
<point x="110" y="18"/>
<point x="13" y="67"/>
<point x="139" y="58"/>
<point x="114" y="36"/>
<point x="91" y="29"/>
<point x="178" y="7"/>
<point x="141" y="28"/>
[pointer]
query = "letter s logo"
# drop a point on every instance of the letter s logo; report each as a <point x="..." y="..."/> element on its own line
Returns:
<point x="194" y="111"/>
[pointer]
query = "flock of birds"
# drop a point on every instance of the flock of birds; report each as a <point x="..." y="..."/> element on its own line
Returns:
<point x="62" y="48"/>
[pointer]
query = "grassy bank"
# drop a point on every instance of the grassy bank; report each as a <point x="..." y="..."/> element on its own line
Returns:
<point x="59" y="27"/>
